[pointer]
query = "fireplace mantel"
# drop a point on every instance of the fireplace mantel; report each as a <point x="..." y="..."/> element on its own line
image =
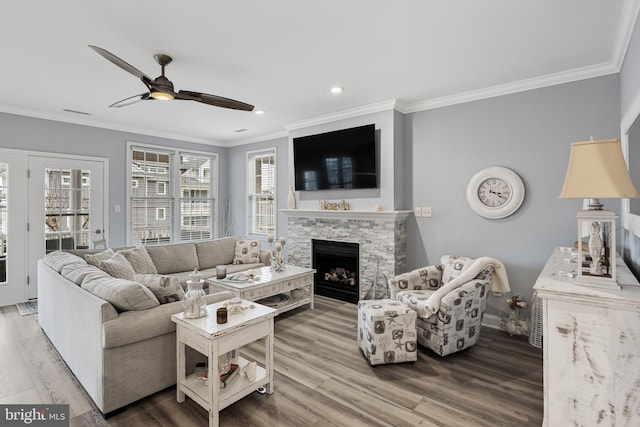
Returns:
<point x="366" y="215"/>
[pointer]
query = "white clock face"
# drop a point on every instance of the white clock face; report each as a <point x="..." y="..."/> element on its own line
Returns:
<point x="494" y="192"/>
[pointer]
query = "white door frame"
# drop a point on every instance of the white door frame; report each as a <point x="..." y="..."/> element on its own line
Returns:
<point x="36" y="211"/>
<point x="15" y="288"/>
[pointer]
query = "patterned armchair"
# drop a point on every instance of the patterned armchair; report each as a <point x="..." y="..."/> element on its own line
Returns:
<point x="449" y="318"/>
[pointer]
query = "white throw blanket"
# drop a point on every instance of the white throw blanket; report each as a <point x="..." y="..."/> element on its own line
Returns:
<point x="499" y="282"/>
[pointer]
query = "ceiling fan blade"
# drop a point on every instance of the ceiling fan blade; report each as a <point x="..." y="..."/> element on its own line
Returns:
<point x="122" y="64"/>
<point x="132" y="100"/>
<point x="217" y="101"/>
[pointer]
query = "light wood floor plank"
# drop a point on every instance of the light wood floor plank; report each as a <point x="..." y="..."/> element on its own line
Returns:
<point x="321" y="380"/>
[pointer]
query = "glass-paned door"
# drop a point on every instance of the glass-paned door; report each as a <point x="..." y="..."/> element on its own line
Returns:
<point x="13" y="227"/>
<point x="66" y="207"/>
<point x="4" y="221"/>
<point x="67" y="203"/>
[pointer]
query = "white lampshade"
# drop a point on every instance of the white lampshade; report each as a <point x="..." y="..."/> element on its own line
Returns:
<point x="597" y="170"/>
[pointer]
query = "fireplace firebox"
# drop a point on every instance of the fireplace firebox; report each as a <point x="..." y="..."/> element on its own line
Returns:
<point x="337" y="269"/>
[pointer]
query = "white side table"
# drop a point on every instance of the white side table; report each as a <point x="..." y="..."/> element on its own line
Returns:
<point x="213" y="339"/>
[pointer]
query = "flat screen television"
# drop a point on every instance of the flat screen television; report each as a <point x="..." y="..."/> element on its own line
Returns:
<point x="336" y="160"/>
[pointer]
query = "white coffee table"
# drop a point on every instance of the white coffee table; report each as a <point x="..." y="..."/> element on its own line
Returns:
<point x="269" y="283"/>
<point x="211" y="339"/>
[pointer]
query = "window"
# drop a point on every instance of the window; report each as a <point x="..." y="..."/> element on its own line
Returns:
<point x="149" y="209"/>
<point x="261" y="178"/>
<point x="172" y="195"/>
<point x="162" y="188"/>
<point x="197" y="205"/>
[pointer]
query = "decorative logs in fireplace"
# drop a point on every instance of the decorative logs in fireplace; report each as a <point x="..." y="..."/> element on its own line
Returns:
<point x="337" y="267"/>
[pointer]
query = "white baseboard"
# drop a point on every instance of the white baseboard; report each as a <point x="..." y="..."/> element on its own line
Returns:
<point x="491" y="321"/>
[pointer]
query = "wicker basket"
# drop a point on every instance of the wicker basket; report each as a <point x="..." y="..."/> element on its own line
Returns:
<point x="535" y="334"/>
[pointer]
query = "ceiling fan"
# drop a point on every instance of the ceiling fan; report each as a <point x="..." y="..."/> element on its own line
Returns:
<point x="161" y="87"/>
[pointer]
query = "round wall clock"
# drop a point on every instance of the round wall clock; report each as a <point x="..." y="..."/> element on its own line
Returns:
<point x="495" y="192"/>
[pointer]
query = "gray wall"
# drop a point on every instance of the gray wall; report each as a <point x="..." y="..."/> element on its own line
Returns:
<point x="27" y="133"/>
<point x="629" y="89"/>
<point x="529" y="132"/>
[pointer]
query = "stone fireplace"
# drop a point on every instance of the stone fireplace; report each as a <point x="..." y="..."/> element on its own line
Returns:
<point x="379" y="236"/>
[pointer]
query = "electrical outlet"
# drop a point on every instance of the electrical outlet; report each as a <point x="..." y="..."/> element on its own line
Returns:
<point x="426" y="212"/>
<point x="417" y="211"/>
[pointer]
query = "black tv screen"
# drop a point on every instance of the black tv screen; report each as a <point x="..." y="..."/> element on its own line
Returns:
<point x="334" y="160"/>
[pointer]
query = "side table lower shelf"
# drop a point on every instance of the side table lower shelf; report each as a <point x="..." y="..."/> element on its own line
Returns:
<point x="238" y="387"/>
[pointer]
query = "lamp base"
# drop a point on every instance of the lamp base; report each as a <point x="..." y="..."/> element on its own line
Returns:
<point x="597" y="264"/>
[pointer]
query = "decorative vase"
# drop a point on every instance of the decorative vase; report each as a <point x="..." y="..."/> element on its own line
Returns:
<point x="291" y="199"/>
<point x="194" y="303"/>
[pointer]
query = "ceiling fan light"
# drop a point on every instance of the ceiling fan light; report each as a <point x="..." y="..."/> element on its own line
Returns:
<point x="161" y="96"/>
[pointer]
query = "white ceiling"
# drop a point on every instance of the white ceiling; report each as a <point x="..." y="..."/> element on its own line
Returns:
<point x="283" y="56"/>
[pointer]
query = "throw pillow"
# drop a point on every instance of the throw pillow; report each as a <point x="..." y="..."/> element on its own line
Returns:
<point x="247" y="252"/>
<point x="123" y="294"/>
<point x="140" y="260"/>
<point x="165" y="288"/>
<point x="117" y="266"/>
<point x="94" y="259"/>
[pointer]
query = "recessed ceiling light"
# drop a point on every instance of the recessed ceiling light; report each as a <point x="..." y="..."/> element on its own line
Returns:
<point x="259" y="112"/>
<point x="336" y="89"/>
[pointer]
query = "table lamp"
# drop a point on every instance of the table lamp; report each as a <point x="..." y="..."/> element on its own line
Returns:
<point x="597" y="170"/>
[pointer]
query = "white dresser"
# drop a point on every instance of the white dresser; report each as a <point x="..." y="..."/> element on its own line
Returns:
<point x="591" y="347"/>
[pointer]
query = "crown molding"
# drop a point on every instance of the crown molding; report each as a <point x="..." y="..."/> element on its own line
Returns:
<point x="628" y="18"/>
<point x="515" y="87"/>
<point x="391" y="104"/>
<point x="91" y="122"/>
<point x="259" y="138"/>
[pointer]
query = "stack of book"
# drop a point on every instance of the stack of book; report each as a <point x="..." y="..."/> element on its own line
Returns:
<point x="229" y="375"/>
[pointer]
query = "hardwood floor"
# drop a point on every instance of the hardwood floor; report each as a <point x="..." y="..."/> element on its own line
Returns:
<point x="321" y="379"/>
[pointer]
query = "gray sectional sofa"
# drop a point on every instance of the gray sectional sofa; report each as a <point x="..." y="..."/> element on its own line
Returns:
<point x="122" y="356"/>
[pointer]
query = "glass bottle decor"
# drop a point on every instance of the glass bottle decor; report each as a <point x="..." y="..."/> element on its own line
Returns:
<point x="291" y="199"/>
<point x="194" y="303"/>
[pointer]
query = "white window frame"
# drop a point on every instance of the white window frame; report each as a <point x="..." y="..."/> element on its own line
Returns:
<point x="175" y="237"/>
<point x="162" y="184"/>
<point x="161" y="214"/>
<point x="250" y="175"/>
<point x="212" y="193"/>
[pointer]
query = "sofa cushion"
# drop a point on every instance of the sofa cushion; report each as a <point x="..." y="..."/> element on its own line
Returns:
<point x="94" y="259"/>
<point x="247" y="252"/>
<point x="123" y="294"/>
<point x="117" y="266"/>
<point x="140" y="260"/>
<point x="76" y="273"/>
<point x="165" y="288"/>
<point x="58" y="260"/>
<point x="216" y="252"/>
<point x="149" y="323"/>
<point x="174" y="258"/>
